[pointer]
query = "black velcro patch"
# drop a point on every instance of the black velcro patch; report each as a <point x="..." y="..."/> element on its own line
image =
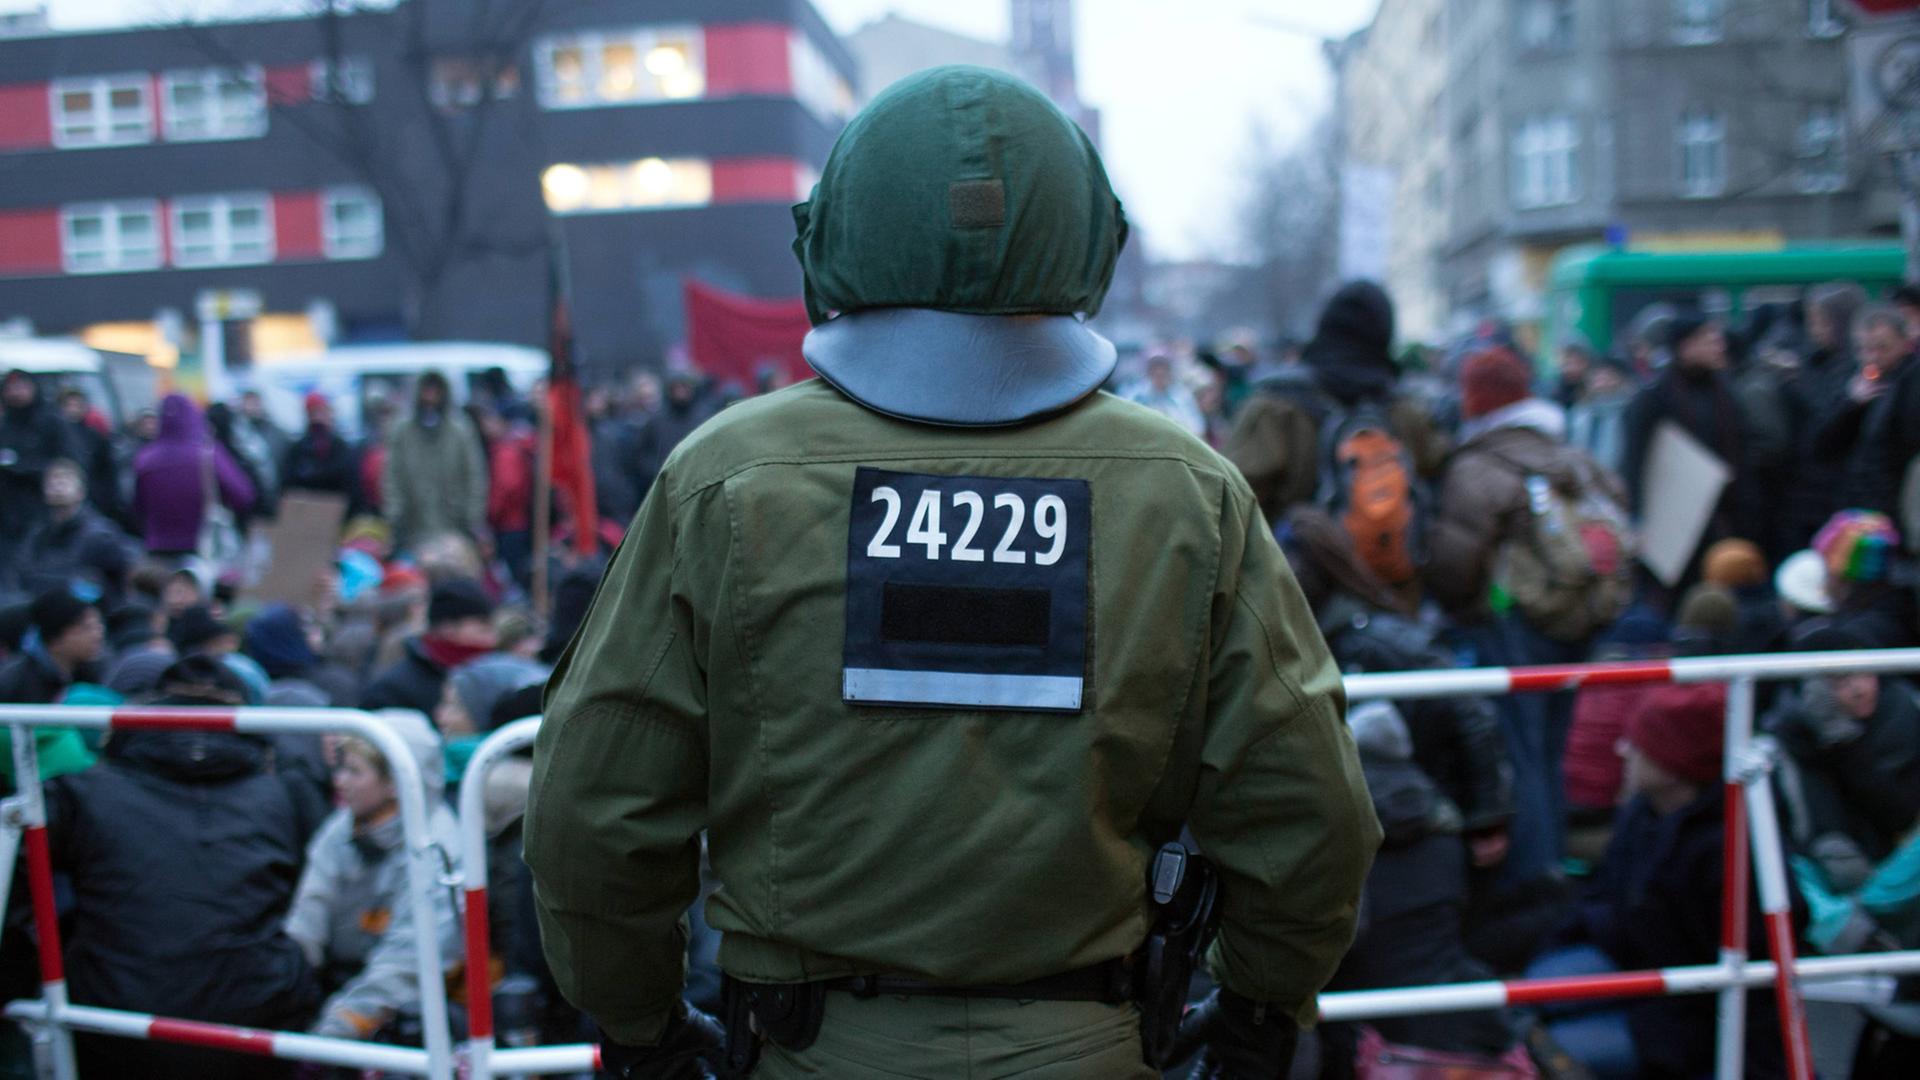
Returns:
<point x="977" y="204"/>
<point x="965" y="615"/>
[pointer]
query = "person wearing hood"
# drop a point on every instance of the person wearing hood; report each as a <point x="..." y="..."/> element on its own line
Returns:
<point x="1695" y="393"/>
<point x="351" y="915"/>
<point x="434" y="479"/>
<point x="182" y="914"/>
<point x="178" y="475"/>
<point x="1276" y="438"/>
<point x="1509" y="439"/>
<point x="459" y="629"/>
<point x="32" y="437"/>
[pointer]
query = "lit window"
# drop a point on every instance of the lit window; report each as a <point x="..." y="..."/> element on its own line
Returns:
<point x="1545" y="161"/>
<point x="97" y="237"/>
<point x="214" y="103"/>
<point x="222" y="230"/>
<point x="346" y="82"/>
<point x="110" y="110"/>
<point x="1822" y="20"/>
<point x="1821" y="153"/>
<point x="1699" y="22"/>
<point x="1546" y="25"/>
<point x="620" y="67"/>
<point x="463" y="82"/>
<point x="648" y="184"/>
<point x="1703" y="153"/>
<point x="817" y="84"/>
<point x="351" y="226"/>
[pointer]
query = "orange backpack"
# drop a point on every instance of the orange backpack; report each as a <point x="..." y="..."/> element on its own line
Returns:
<point x="1370" y="486"/>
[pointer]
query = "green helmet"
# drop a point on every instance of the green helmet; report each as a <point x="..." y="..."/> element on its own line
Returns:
<point x="961" y="229"/>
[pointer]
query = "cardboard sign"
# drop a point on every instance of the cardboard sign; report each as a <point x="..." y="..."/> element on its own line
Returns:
<point x="1679" y="490"/>
<point x="301" y="545"/>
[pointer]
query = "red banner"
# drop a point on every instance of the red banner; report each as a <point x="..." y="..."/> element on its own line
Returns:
<point x="733" y="337"/>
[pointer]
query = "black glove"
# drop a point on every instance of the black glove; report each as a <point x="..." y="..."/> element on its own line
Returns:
<point x="691" y="1040"/>
<point x="1245" y="1040"/>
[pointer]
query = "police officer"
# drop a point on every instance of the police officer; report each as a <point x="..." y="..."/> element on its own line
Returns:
<point x="937" y="650"/>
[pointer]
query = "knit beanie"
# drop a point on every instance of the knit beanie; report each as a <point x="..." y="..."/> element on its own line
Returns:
<point x="1491" y="380"/>
<point x="1735" y="564"/>
<point x="480" y="684"/>
<point x="456" y="599"/>
<point x="1680" y="729"/>
<point x="1857" y="545"/>
<point x="56" y="611"/>
<point x="278" y="642"/>
<point x="1710" y="608"/>
<point x="194" y="628"/>
<point x="137" y="674"/>
<point x="130" y="626"/>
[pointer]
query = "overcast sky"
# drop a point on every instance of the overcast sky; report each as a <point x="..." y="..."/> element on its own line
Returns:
<point x="1181" y="85"/>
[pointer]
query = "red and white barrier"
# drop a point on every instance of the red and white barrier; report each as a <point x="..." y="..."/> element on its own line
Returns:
<point x="57" y="1018"/>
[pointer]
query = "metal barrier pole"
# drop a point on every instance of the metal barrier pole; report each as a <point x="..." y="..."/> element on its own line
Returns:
<point x="51" y="1039"/>
<point x="473" y="870"/>
<point x="1730" y="1061"/>
<point x="1776" y="904"/>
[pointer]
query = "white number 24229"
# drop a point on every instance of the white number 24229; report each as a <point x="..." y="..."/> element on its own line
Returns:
<point x="924" y="529"/>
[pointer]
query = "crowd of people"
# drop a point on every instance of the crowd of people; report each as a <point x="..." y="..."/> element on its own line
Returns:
<point x="1439" y="508"/>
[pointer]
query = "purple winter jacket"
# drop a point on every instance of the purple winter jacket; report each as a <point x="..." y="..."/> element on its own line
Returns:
<point x="169" y="487"/>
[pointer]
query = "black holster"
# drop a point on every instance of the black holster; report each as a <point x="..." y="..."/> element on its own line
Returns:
<point x="785" y="1014"/>
<point x="1185" y="890"/>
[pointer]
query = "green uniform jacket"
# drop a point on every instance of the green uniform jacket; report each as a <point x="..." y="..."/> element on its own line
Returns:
<point x="704" y="692"/>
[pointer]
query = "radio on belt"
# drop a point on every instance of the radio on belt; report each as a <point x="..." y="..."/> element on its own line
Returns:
<point x="967" y="591"/>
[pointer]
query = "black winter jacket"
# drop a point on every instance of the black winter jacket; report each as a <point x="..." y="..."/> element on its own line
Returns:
<point x="182" y="849"/>
<point x="1655" y="902"/>
<point x="30" y="439"/>
<point x="87" y="546"/>
<point x="1860" y="780"/>
<point x="412" y="682"/>
<point x="320" y="460"/>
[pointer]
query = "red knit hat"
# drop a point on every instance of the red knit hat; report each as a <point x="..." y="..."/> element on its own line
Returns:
<point x="1493" y="379"/>
<point x="1680" y="728"/>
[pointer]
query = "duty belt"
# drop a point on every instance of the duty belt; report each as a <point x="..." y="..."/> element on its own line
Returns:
<point x="1110" y="981"/>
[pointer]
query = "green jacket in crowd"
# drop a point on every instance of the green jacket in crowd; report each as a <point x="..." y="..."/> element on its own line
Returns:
<point x="705" y="692"/>
<point x="434" y="480"/>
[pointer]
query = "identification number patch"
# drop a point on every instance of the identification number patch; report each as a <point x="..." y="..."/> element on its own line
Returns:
<point x="967" y="591"/>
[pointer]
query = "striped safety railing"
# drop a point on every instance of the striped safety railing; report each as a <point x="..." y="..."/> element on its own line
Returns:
<point x="53" y="1018"/>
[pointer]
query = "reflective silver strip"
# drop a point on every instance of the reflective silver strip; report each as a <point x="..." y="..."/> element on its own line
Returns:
<point x="886" y="686"/>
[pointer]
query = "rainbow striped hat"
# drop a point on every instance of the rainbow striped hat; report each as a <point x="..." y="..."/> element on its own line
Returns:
<point x="1857" y="545"/>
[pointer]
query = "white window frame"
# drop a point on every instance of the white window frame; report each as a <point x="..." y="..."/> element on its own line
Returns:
<point x="592" y="45"/>
<point x="1546" y="161"/>
<point x="1702" y="130"/>
<point x="218" y="124"/>
<point x="101" y="130"/>
<point x="348" y="83"/>
<point x="223" y="243"/>
<point x="1823" y="20"/>
<point x="1553" y="16"/>
<point x="114" y="252"/>
<point x="337" y="246"/>
<point x="1821" y="147"/>
<point x="1699" y="22"/>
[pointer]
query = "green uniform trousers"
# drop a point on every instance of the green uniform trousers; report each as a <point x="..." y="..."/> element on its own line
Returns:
<point x="966" y="1039"/>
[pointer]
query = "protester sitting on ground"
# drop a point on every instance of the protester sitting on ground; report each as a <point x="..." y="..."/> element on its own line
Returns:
<point x="1860" y="550"/>
<point x="1415" y="903"/>
<point x="67" y="638"/>
<point x="352" y="914"/>
<point x="459" y="628"/>
<point x="1849" y="778"/>
<point x="200" y="630"/>
<point x="1706" y="621"/>
<point x="1655" y="902"/>
<point x="1591" y="767"/>
<point x="1738" y="566"/>
<point x="181" y="850"/>
<point x="466" y="704"/>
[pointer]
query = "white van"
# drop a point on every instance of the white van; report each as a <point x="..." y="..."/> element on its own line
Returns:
<point x="118" y="384"/>
<point x="351" y="376"/>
